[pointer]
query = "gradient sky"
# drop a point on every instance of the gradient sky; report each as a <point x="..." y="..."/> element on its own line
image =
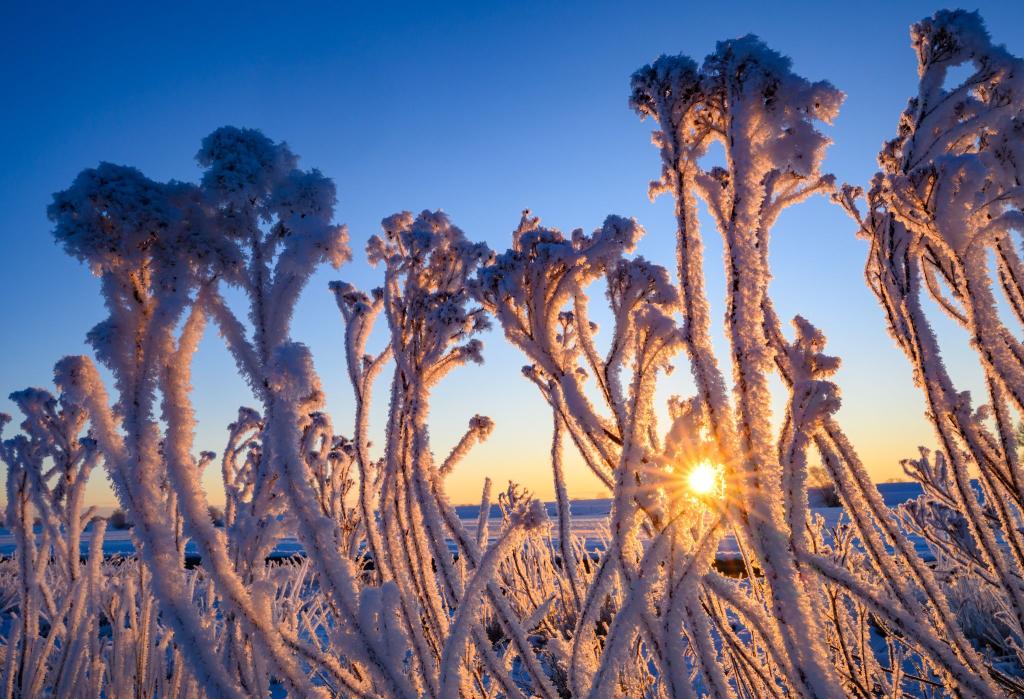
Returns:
<point x="480" y="109"/>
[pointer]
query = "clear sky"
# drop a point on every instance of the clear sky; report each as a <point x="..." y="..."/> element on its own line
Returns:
<point x="480" y="109"/>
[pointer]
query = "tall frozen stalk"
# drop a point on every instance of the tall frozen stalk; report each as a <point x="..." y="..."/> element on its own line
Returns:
<point x="940" y="217"/>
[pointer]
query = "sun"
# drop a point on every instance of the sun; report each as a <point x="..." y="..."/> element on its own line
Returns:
<point x="704" y="478"/>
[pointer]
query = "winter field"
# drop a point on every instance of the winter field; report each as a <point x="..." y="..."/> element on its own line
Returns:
<point x="589" y="525"/>
<point x="717" y="566"/>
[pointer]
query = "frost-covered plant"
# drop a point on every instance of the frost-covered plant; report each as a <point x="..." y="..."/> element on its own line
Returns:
<point x="428" y="264"/>
<point x="151" y="246"/>
<point x="279" y="220"/>
<point x="160" y="250"/>
<point x="940" y="217"/>
<point x="57" y="458"/>
<point x="52" y="639"/>
<point x="537" y="291"/>
<point x="258" y="223"/>
<point x="746" y="98"/>
<point x="395" y="595"/>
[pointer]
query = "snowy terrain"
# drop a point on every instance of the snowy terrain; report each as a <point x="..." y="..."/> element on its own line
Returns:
<point x="589" y="522"/>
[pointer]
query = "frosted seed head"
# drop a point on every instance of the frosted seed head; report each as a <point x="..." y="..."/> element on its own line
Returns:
<point x="482" y="425"/>
<point x="950" y="37"/>
<point x="243" y="165"/>
<point x="111" y="216"/>
<point x="669" y="82"/>
<point x="302" y="195"/>
<point x="76" y="377"/>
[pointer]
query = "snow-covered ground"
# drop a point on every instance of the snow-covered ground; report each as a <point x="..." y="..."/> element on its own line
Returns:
<point x="588" y="521"/>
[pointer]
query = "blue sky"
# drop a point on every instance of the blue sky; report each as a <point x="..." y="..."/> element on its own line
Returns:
<point x="481" y="109"/>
